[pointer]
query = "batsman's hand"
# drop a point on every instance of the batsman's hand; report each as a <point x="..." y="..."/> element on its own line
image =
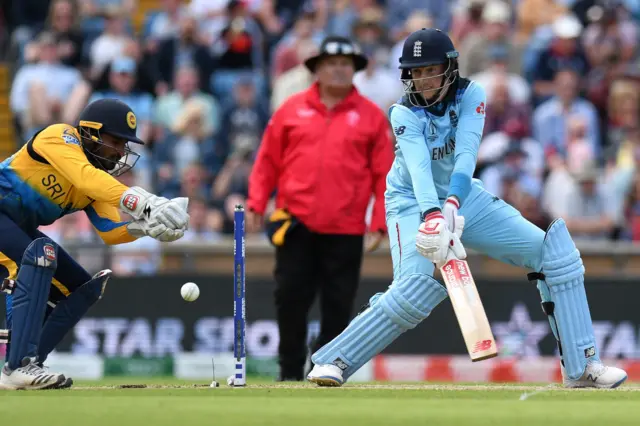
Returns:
<point x="434" y="239"/>
<point x="143" y="205"/>
<point x="456" y="249"/>
<point x="450" y="212"/>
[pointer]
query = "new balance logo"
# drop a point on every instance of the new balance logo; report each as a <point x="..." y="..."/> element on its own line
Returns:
<point x="589" y="352"/>
<point x="340" y="364"/>
<point x="482" y="345"/>
<point x="593" y="379"/>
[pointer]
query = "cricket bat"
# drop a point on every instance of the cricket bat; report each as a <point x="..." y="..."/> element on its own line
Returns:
<point x="467" y="305"/>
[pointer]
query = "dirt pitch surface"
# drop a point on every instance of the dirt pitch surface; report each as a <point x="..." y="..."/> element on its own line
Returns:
<point x="414" y="387"/>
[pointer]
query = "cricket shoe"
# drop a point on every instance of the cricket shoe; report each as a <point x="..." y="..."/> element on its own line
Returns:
<point x="65" y="385"/>
<point x="597" y="375"/>
<point x="326" y="375"/>
<point x="29" y="376"/>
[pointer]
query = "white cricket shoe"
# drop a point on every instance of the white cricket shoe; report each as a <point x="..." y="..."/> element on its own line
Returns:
<point x="29" y="376"/>
<point x="64" y="385"/>
<point x="326" y="375"/>
<point x="597" y="375"/>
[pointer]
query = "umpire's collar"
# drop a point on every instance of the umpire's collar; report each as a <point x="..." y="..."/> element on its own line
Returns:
<point x="349" y="102"/>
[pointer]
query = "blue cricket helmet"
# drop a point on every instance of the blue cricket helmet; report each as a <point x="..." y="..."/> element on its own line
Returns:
<point x="423" y="48"/>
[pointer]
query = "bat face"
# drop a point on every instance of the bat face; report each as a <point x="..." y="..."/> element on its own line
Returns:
<point x="468" y="308"/>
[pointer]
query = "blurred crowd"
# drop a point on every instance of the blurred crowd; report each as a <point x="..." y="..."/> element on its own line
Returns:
<point x="562" y="136"/>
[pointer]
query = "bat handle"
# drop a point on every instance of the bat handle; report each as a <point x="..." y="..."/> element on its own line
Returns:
<point x="450" y="256"/>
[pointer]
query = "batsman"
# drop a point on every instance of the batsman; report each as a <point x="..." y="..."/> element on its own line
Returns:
<point x="61" y="170"/>
<point x="435" y="208"/>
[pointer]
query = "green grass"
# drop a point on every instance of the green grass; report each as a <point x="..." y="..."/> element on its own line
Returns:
<point x="267" y="403"/>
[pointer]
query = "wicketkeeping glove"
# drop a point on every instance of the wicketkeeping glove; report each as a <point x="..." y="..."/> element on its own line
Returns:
<point x="143" y="205"/>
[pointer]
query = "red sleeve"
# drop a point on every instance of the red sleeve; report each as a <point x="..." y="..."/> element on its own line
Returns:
<point x="381" y="160"/>
<point x="266" y="169"/>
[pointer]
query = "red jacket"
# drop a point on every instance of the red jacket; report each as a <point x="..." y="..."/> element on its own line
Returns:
<point x="325" y="164"/>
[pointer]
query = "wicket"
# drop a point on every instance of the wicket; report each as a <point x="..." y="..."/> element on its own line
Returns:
<point x="239" y="348"/>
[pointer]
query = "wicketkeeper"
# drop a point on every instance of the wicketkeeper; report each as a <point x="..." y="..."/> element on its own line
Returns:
<point x="61" y="170"/>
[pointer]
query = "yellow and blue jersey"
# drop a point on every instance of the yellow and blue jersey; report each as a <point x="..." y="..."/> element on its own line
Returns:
<point x="51" y="177"/>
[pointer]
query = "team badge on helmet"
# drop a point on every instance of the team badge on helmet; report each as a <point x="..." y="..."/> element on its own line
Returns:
<point x="131" y="119"/>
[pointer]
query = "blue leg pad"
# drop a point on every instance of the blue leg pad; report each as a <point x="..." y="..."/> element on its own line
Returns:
<point x="68" y="312"/>
<point x="564" y="275"/>
<point x="29" y="299"/>
<point x="402" y="307"/>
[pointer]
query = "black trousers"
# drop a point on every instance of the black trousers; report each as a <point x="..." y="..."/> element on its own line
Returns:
<point x="310" y="264"/>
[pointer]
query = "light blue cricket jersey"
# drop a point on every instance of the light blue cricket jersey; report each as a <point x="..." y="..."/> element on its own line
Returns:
<point x="436" y="148"/>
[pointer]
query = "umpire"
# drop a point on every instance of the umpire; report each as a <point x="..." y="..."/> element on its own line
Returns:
<point x="326" y="152"/>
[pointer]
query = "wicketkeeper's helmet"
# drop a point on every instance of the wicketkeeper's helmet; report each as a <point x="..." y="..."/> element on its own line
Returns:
<point x="113" y="117"/>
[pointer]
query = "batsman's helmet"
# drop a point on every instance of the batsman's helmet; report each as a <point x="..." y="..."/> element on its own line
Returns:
<point x="423" y="48"/>
<point x="115" y="118"/>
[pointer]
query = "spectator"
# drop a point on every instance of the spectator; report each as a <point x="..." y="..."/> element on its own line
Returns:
<point x="212" y="15"/>
<point x="533" y="14"/>
<point x="376" y="82"/>
<point x="62" y="23"/>
<point x="231" y="185"/>
<point x="193" y="182"/>
<point x="620" y="180"/>
<point x="579" y="151"/>
<point x="502" y="108"/>
<point x="564" y="52"/>
<point x="204" y="225"/>
<point x="296" y="79"/>
<point x="111" y="43"/>
<point x="187" y="141"/>
<point x="495" y="145"/>
<point x="398" y="11"/>
<point x="236" y="53"/>
<point x="277" y="17"/>
<point x="286" y="54"/>
<point x="34" y="100"/>
<point x="146" y="77"/>
<point x="609" y="38"/>
<point x="244" y="118"/>
<point x="27" y="18"/>
<point x="497" y="73"/>
<point x="624" y="117"/>
<point x="185" y="49"/>
<point x="98" y="8"/>
<point x="468" y="21"/>
<point x="590" y="210"/>
<point x="550" y="118"/>
<point x="368" y="29"/>
<point x="327" y="151"/>
<point x="474" y="58"/>
<point x="510" y="171"/>
<point x="345" y="14"/>
<point x="186" y="87"/>
<point x="166" y="23"/>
